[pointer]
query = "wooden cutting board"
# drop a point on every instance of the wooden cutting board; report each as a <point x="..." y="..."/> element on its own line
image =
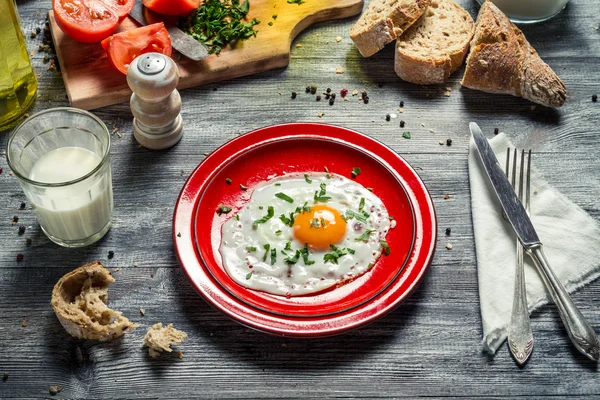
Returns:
<point x="91" y="81"/>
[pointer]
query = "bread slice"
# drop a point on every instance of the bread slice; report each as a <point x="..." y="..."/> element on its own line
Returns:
<point x="383" y="22"/>
<point x="436" y="45"/>
<point x="79" y="301"/>
<point x="159" y="339"/>
<point x="503" y="61"/>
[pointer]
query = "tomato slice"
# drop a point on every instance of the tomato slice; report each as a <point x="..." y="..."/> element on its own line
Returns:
<point x="172" y="7"/>
<point x="124" y="47"/>
<point x="90" y="21"/>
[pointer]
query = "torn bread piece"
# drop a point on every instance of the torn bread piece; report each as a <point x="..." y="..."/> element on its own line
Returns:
<point x="159" y="339"/>
<point x="79" y="301"/>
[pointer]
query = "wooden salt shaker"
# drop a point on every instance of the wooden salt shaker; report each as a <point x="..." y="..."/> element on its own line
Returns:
<point x="155" y="102"/>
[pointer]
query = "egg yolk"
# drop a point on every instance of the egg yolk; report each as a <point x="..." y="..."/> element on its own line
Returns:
<point x="320" y="227"/>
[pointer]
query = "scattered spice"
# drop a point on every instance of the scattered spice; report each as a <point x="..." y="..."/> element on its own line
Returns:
<point x="328" y="90"/>
<point x="449" y="246"/>
<point x="320" y="114"/>
<point x="111" y="254"/>
<point x="270" y="23"/>
<point x="54" y="389"/>
<point x="313" y="89"/>
<point x="318" y="98"/>
<point x="0" y="170"/>
<point x="218" y="23"/>
<point x="344" y="92"/>
<point x="331" y="101"/>
<point x="21" y="229"/>
<point x="406" y="135"/>
<point x="441" y="142"/>
<point x="449" y="142"/>
<point x="496" y="131"/>
<point x="595" y="98"/>
<point x="20" y="257"/>
<point x="388" y="117"/>
<point x="402" y="123"/>
<point x="446" y="196"/>
<point x="294" y="94"/>
<point x="178" y="234"/>
<point x="5" y="376"/>
<point x="338" y="39"/>
<point x="307" y="89"/>
<point x="401" y="103"/>
<point x="228" y="181"/>
<point x="339" y="70"/>
<point x="448" y="231"/>
<point x="15" y="219"/>
<point x="23" y="205"/>
<point x="295" y="2"/>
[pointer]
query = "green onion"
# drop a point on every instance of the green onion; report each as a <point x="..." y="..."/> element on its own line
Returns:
<point x="223" y="209"/>
<point x="355" y="172"/>
<point x="361" y="204"/>
<point x="237" y="216"/>
<point x="386" y="248"/>
<point x="303" y="209"/>
<point x="250" y="248"/>
<point x="288" y="246"/>
<point x="304" y="253"/>
<point x="278" y="232"/>
<point x="228" y="181"/>
<point x="307" y="179"/>
<point x="323" y="223"/>
<point x="351" y="214"/>
<point x="365" y="236"/>
<point x="270" y="213"/>
<point x="406" y="135"/>
<point x="294" y="259"/>
<point x="320" y="195"/>
<point x="284" y="197"/>
<point x="328" y="176"/>
<point x="273" y="255"/>
<point x="242" y="187"/>
<point x="266" y="247"/>
<point x="249" y="275"/>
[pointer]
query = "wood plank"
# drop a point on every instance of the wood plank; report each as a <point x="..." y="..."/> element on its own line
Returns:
<point x="91" y="81"/>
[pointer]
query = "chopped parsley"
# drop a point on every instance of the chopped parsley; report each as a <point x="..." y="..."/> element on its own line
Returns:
<point x="228" y="181"/>
<point x="307" y="179"/>
<point x="251" y="248"/>
<point x="406" y="135"/>
<point x="270" y="213"/>
<point x="321" y="195"/>
<point x="267" y="247"/>
<point x="294" y="259"/>
<point x="242" y="187"/>
<point x="323" y="223"/>
<point x="273" y="255"/>
<point x="287" y="221"/>
<point x="278" y="232"/>
<point x="337" y="253"/>
<point x="359" y="217"/>
<point x="355" y="172"/>
<point x="303" y="209"/>
<point x="365" y="236"/>
<point x="304" y="253"/>
<point x="223" y="209"/>
<point x="249" y="275"/>
<point x="386" y="248"/>
<point x="295" y="2"/>
<point x="361" y="205"/>
<point x="328" y="175"/>
<point x="237" y="216"/>
<point x="284" y="197"/>
<point x="288" y="246"/>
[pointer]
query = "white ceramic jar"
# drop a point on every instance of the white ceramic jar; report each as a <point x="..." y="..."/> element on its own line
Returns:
<point x="529" y="11"/>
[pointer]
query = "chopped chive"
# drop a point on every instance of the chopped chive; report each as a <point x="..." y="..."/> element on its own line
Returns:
<point x="351" y="251"/>
<point x="273" y="255"/>
<point x="274" y="16"/>
<point x="242" y="187"/>
<point x="223" y="209"/>
<point x="351" y="214"/>
<point x="361" y="205"/>
<point x="370" y="189"/>
<point x="294" y="259"/>
<point x="288" y="246"/>
<point x="305" y="254"/>
<point x="315" y="223"/>
<point x="365" y="236"/>
<point x="278" y="184"/>
<point x="328" y="176"/>
<point x="386" y="248"/>
<point x="355" y="172"/>
<point x="323" y="223"/>
<point x="249" y="275"/>
<point x="406" y="135"/>
<point x="320" y="195"/>
<point x="284" y="197"/>
<point x="237" y="216"/>
<point x="260" y="207"/>
<point x="270" y="213"/>
<point x="250" y="248"/>
<point x="266" y="247"/>
<point x="228" y="181"/>
<point x="307" y="179"/>
<point x="303" y="209"/>
<point x="278" y="232"/>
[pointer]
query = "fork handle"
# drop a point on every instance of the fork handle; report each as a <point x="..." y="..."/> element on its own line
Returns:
<point x="579" y="330"/>
<point x="520" y="337"/>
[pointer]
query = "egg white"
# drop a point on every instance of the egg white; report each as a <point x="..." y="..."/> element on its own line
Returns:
<point x="253" y="270"/>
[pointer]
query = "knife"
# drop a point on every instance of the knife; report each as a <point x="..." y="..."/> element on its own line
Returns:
<point x="182" y="42"/>
<point x="579" y="330"/>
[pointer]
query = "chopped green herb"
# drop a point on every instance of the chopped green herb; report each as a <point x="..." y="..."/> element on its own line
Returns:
<point x="278" y="184"/>
<point x="288" y="221"/>
<point x="228" y="181"/>
<point x="304" y="253"/>
<point x="295" y="2"/>
<point x="270" y="213"/>
<point x="273" y="255"/>
<point x="270" y="23"/>
<point x="315" y="223"/>
<point x="351" y="214"/>
<point x="307" y="179"/>
<point x="250" y="248"/>
<point x="178" y="234"/>
<point x="242" y="187"/>
<point x="323" y="223"/>
<point x="274" y="16"/>
<point x="355" y="172"/>
<point x="361" y="205"/>
<point x="267" y="247"/>
<point x="260" y="207"/>
<point x="386" y="248"/>
<point x="303" y="209"/>
<point x="406" y="135"/>
<point x="223" y="209"/>
<point x="249" y="275"/>
<point x="370" y="189"/>
<point x="328" y="175"/>
<point x="320" y="195"/>
<point x="237" y="216"/>
<point x="294" y="259"/>
<point x="288" y="246"/>
<point x="365" y="236"/>
<point x="337" y="253"/>
<point x="351" y="251"/>
<point x="218" y="23"/>
<point x="284" y="197"/>
<point x="278" y="232"/>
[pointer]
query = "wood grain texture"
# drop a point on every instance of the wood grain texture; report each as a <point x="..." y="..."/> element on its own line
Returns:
<point x="91" y="81"/>
<point x="430" y="346"/>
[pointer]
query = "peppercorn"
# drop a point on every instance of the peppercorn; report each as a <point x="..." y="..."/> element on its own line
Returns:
<point x="402" y="123"/>
<point x="343" y="92"/>
<point x="307" y="89"/>
<point x="38" y="29"/>
<point x="28" y="242"/>
<point x="331" y="101"/>
<point x="0" y="170"/>
<point x="33" y="35"/>
<point x="496" y="131"/>
<point x="294" y="94"/>
<point x="401" y="103"/>
<point x="327" y="96"/>
<point x="23" y="205"/>
<point x="21" y="229"/>
<point x="363" y="94"/>
<point x="313" y="89"/>
<point x="318" y="97"/>
<point x="15" y="219"/>
<point x="328" y="90"/>
<point x="333" y="96"/>
<point x="449" y="142"/>
<point x="380" y="85"/>
<point x="448" y="231"/>
<point x="111" y="254"/>
<point x="20" y="257"/>
<point x="388" y="117"/>
<point x="595" y="98"/>
<point x="366" y="99"/>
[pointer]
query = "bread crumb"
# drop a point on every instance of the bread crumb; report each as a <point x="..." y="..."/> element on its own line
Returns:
<point x="400" y="110"/>
<point x="339" y="70"/>
<point x="338" y="39"/>
<point x="320" y="114"/>
<point x="179" y="355"/>
<point x="446" y="196"/>
<point x="5" y="377"/>
<point x="441" y="142"/>
<point x="448" y="246"/>
<point x="354" y="92"/>
<point x="159" y="339"/>
<point x="55" y="389"/>
<point x="24" y="324"/>
<point x="142" y="312"/>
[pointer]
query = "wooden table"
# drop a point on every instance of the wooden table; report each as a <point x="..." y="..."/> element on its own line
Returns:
<point x="430" y="346"/>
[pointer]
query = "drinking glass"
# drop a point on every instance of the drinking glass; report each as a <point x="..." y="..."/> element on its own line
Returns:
<point x="529" y="11"/>
<point x="62" y="159"/>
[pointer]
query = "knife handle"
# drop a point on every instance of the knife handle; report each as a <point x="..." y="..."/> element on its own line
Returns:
<point x="579" y="330"/>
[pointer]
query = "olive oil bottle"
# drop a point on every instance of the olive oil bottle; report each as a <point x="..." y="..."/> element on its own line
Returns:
<point x="18" y="83"/>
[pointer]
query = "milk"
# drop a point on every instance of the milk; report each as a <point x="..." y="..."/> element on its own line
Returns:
<point x="75" y="211"/>
<point x="530" y="9"/>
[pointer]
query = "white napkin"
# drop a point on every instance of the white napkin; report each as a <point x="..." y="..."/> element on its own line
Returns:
<point x="570" y="236"/>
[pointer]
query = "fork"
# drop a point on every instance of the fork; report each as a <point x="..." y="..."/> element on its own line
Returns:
<point x="520" y="337"/>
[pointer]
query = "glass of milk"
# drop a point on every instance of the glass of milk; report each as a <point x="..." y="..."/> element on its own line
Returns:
<point x="62" y="159"/>
<point x="529" y="11"/>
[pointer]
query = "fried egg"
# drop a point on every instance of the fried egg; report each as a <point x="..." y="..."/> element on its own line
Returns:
<point x="304" y="233"/>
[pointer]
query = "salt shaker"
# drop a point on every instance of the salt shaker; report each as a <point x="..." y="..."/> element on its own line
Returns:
<point x="155" y="102"/>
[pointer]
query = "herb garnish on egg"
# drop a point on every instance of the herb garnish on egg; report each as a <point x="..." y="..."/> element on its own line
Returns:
<point x="355" y="172"/>
<point x="337" y="253"/>
<point x="320" y="195"/>
<point x="365" y="236"/>
<point x="223" y="209"/>
<point x="284" y="197"/>
<point x="270" y="213"/>
<point x="386" y="248"/>
<point x="307" y="179"/>
<point x="267" y="247"/>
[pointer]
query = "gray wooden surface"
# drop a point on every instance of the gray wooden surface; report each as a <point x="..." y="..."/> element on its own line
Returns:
<point x="428" y="347"/>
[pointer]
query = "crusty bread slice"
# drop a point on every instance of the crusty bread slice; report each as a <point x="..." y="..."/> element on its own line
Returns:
<point x="79" y="301"/>
<point x="503" y="61"/>
<point x="159" y="339"/>
<point x="383" y="22"/>
<point x="436" y="45"/>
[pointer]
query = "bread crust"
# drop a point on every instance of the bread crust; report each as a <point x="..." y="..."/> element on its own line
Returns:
<point x="371" y="34"/>
<point x="79" y="301"/>
<point x="435" y="67"/>
<point x="503" y="61"/>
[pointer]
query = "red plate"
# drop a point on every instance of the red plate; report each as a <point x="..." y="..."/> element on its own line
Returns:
<point x="259" y="156"/>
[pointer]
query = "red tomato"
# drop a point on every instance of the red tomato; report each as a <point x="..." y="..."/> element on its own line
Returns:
<point x="172" y="7"/>
<point x="124" y="47"/>
<point x="90" y="21"/>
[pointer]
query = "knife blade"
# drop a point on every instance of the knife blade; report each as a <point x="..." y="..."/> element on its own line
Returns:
<point x="580" y="332"/>
<point x="182" y="42"/>
<point x="508" y="198"/>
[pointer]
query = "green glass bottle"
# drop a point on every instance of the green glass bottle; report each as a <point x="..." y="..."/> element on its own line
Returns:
<point x="18" y="83"/>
